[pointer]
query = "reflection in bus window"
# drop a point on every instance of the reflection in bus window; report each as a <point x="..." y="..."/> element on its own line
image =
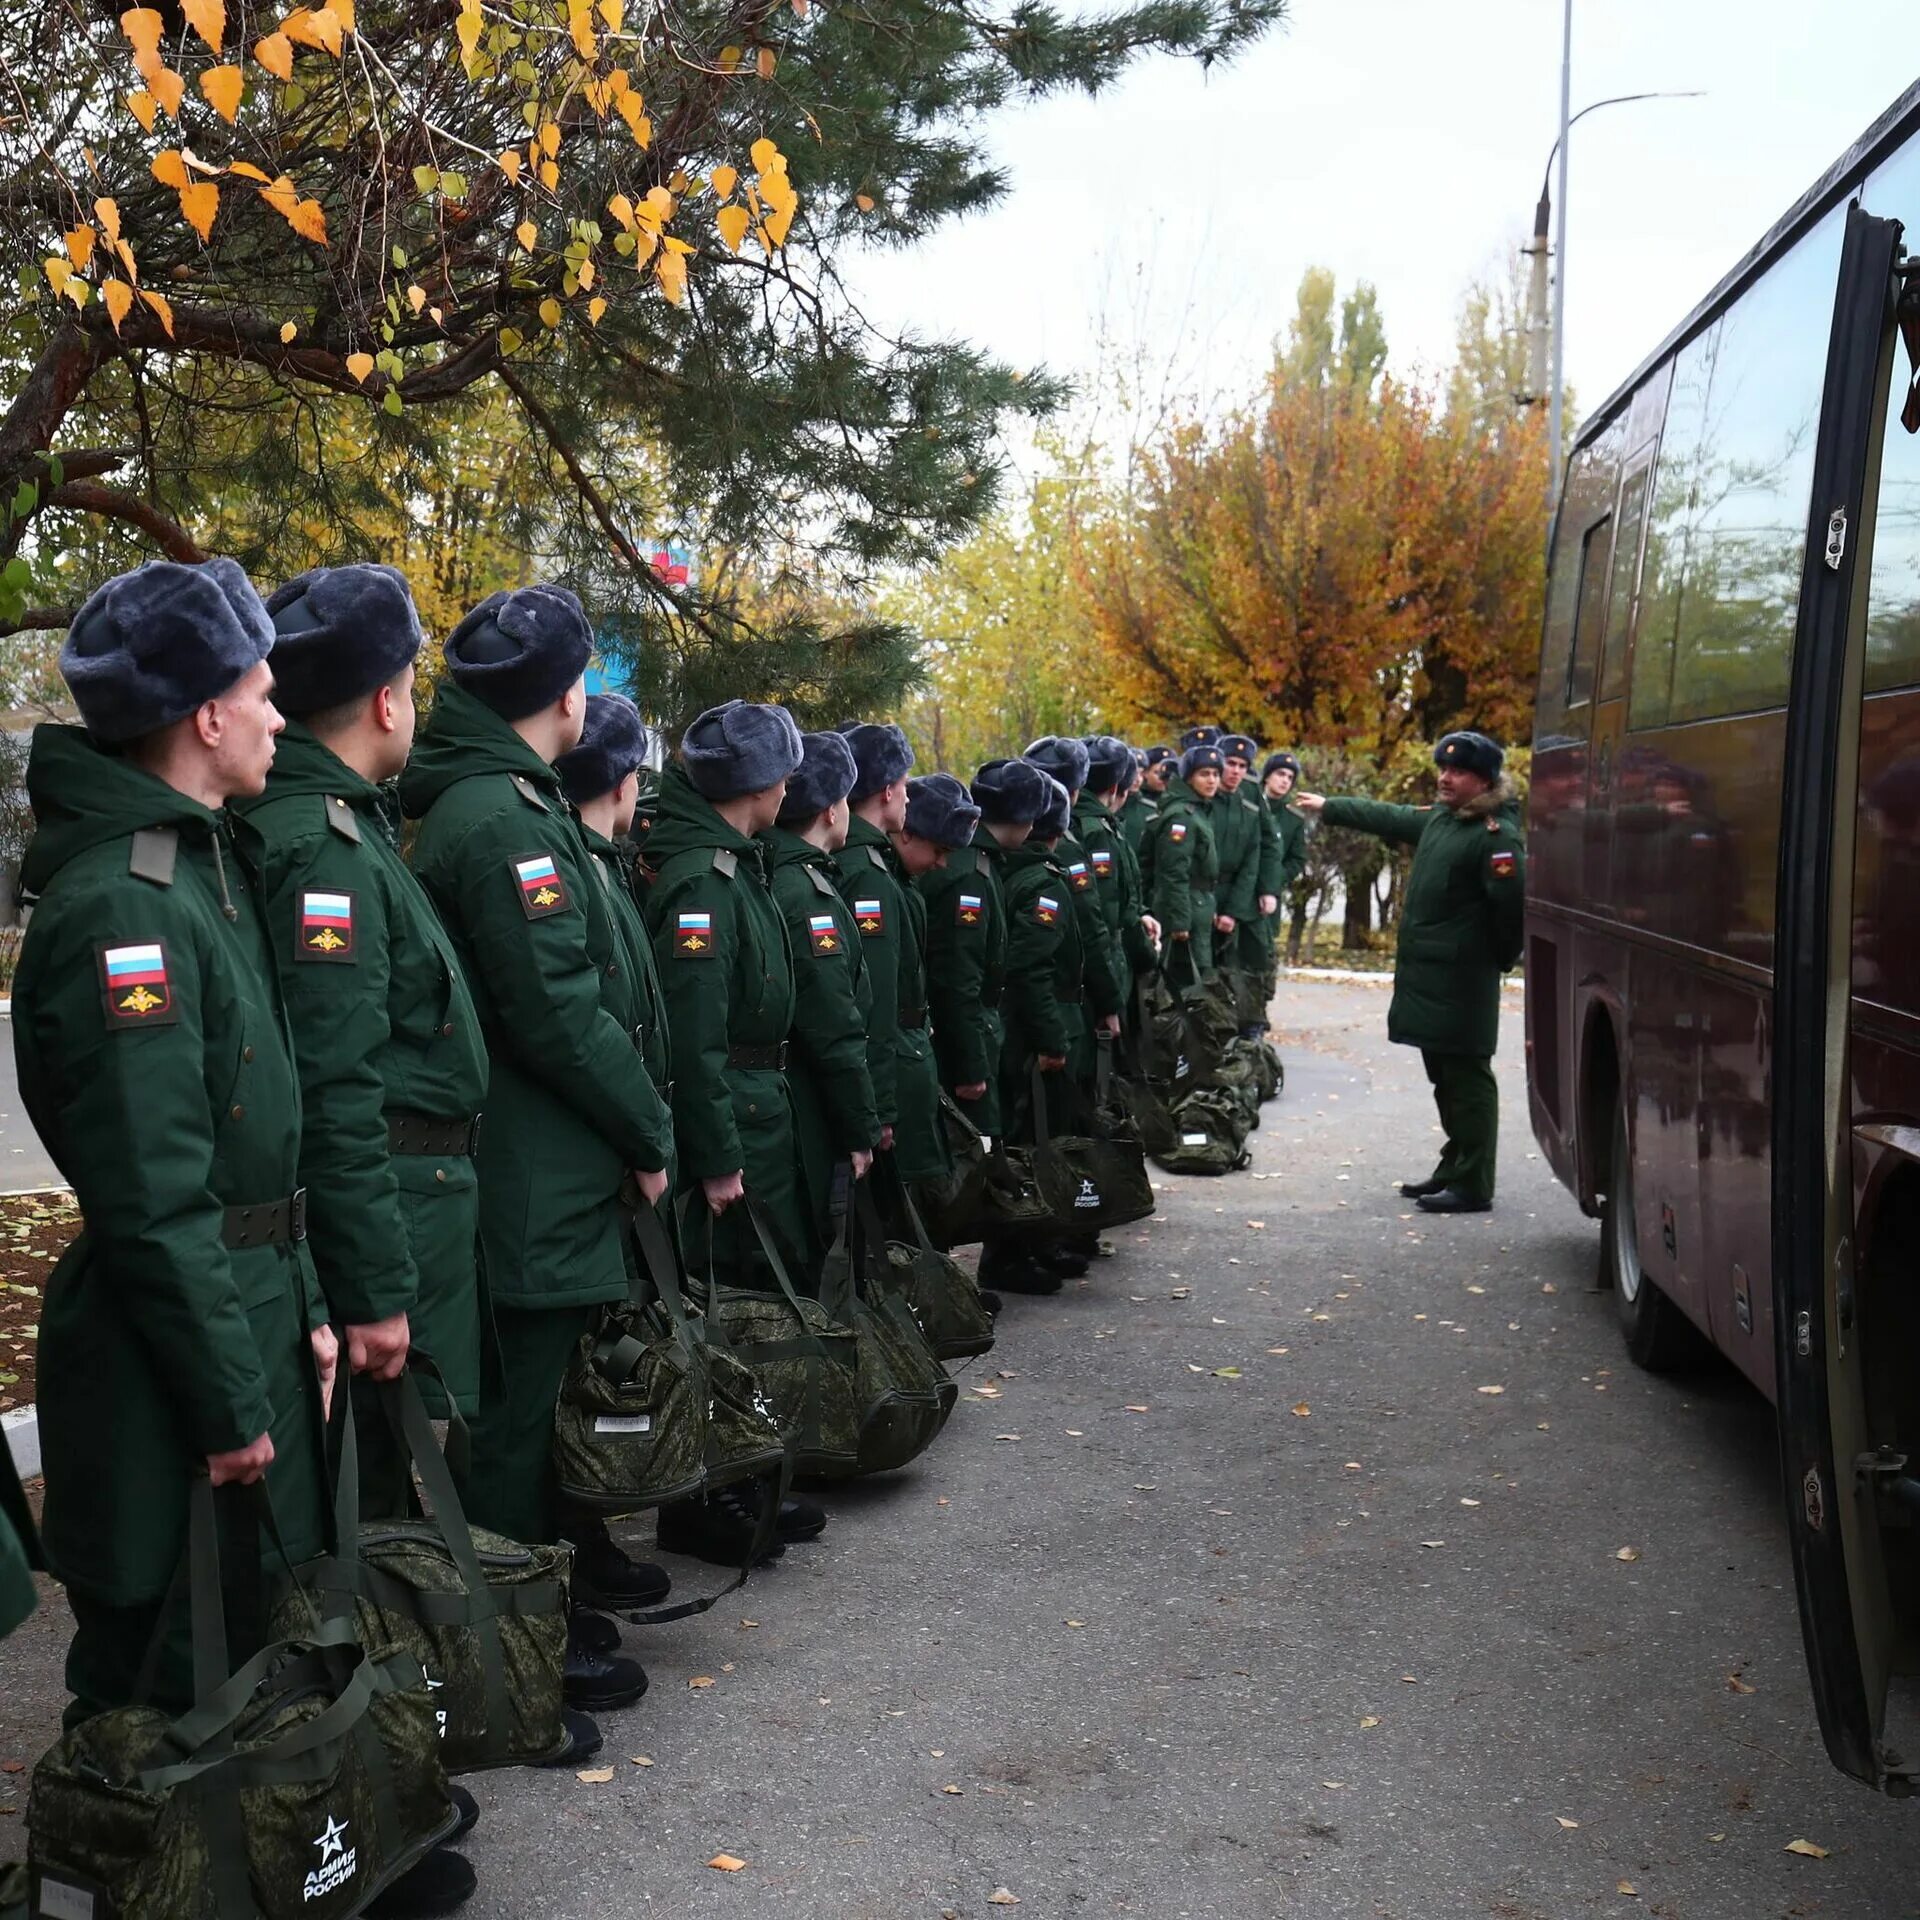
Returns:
<point x="1674" y="504"/>
<point x="1556" y="648"/>
<point x="1586" y="626"/>
<point x="1625" y="589"/>
<point x="1893" y="602"/>
<point x="1752" y="486"/>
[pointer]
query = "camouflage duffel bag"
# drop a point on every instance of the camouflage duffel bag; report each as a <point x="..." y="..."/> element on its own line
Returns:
<point x="1210" y="1134"/>
<point x="944" y="1296"/>
<point x="1257" y="1062"/>
<point x="1089" y="1183"/>
<point x="302" y="1785"/>
<point x="987" y="1194"/>
<point x="482" y="1615"/>
<point x="650" y="1410"/>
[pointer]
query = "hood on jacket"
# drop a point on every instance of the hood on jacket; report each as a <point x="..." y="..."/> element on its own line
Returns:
<point x="1498" y="798"/>
<point x="84" y="795"/>
<point x="462" y="737"/>
<point x="786" y="849"/>
<point x="685" y="821"/>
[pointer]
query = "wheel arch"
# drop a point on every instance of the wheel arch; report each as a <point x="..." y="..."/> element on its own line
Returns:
<point x="1602" y="1075"/>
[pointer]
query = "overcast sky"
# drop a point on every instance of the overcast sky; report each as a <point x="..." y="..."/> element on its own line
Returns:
<point x="1403" y="141"/>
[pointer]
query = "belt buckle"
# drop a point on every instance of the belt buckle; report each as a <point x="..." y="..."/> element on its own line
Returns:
<point x="297" y="1215"/>
<point x="473" y="1134"/>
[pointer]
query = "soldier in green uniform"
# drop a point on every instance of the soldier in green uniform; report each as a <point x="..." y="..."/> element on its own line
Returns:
<point x="1137" y="815"/>
<point x="184" y="1333"/>
<point x="1283" y="860"/>
<point x="1239" y="825"/>
<point x="1179" y="868"/>
<point x="571" y="1108"/>
<point x="833" y="1100"/>
<point x="1460" y="930"/>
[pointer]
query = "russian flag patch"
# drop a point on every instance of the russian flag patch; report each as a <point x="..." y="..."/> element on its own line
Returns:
<point x="872" y="920"/>
<point x="693" y="935"/>
<point x="1046" y="910"/>
<point x="542" y="891"/>
<point x="823" y="933"/>
<point x="326" y="925"/>
<point x="134" y="983"/>
<point x="1102" y="858"/>
<point x="1079" y="875"/>
<point x="1177" y="830"/>
<point x="971" y="910"/>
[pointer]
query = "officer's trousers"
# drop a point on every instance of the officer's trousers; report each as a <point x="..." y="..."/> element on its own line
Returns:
<point x="510" y="1487"/>
<point x="1468" y="1098"/>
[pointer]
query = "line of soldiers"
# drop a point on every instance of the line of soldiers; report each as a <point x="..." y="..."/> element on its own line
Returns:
<point x="257" y="1040"/>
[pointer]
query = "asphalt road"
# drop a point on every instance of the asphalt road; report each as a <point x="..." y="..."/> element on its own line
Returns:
<point x="1342" y="1637"/>
<point x="24" y="1164"/>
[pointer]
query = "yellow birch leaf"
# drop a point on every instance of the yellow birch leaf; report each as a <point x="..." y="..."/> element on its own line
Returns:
<point x="119" y="298"/>
<point x="314" y="27"/>
<point x="639" y="123"/>
<point x="724" y="181"/>
<point x="730" y="58"/>
<point x="733" y="223"/>
<point x="169" y="89"/>
<point x="143" y="26"/>
<point x="645" y="243"/>
<point x="613" y="12"/>
<point x="622" y="210"/>
<point x="594" y="1776"/>
<point x="1806" y="1849"/>
<point x="766" y="156"/>
<point x="344" y="8"/>
<point x="275" y="53"/>
<point x="288" y="330"/>
<point x="80" y="247"/>
<point x="677" y="182"/>
<point x="657" y="208"/>
<point x="587" y="271"/>
<point x="58" y="273"/>
<point x="107" y="212"/>
<point x="675" y="245"/>
<point x="670" y="270"/>
<point x="586" y="43"/>
<point x="208" y="18"/>
<point x="360" y="365"/>
<point x="282" y="196"/>
<point x="469" y="27"/>
<point x="549" y="175"/>
<point x="163" y="307"/>
<point x="417" y="298"/>
<point x="765" y="60"/>
<point x="309" y="221"/>
<point x="199" y="202"/>
<point x="618" y="81"/>
<point x="143" y="106"/>
<point x="223" y="87"/>
<point x="126" y="260"/>
<point x="777" y="223"/>
<point x="170" y="169"/>
<point x="549" y="312"/>
<point x="526" y="233"/>
<point x="595" y="308"/>
<point x="510" y="163"/>
<point x="726" y="1863"/>
<point x="550" y="137"/>
<point x="864" y="201"/>
<point x="247" y="171"/>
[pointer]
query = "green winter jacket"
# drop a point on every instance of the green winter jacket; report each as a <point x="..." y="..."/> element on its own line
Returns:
<point x="1045" y="970"/>
<point x="721" y="946"/>
<point x="833" y="1010"/>
<point x="1460" y="923"/>
<point x="966" y="971"/>
<point x="1239" y="823"/>
<point x="1180" y="870"/>
<point x="1284" y="857"/>
<point x="383" y="1025"/>
<point x="155" y="1062"/>
<point x="1136" y="816"/>
<point x="1104" y="968"/>
<point x="570" y="1106"/>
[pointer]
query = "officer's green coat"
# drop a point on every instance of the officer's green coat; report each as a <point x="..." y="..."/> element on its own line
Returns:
<point x="1460" y="924"/>
<point x="1136" y="816"/>
<point x="906" y="1078"/>
<point x="164" y="1100"/>
<point x="1180" y="869"/>
<point x="833" y="1097"/>
<point x="570" y="1108"/>
<point x="383" y="1023"/>
<point x="721" y="946"/>
<point x="1239" y="821"/>
<point x="966" y="972"/>
<point x="1045" y="967"/>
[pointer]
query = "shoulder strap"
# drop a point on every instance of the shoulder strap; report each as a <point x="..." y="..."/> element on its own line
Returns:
<point x="878" y="858"/>
<point x="528" y="791"/>
<point x="342" y="819"/>
<point x="153" y="853"/>
<point x="821" y="884"/>
<point x="726" y="863"/>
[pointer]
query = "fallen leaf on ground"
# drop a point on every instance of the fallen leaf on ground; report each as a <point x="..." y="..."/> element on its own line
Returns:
<point x="701" y="1680"/>
<point x="1805" y="1847"/>
<point x="1301" y="1410"/>
<point x="1629" y="1889"/>
<point x="1565" y="1822"/>
<point x="1076" y="1623"/>
<point x="1370" y="1720"/>
<point x="1489" y="1389"/>
<point x="726" y="1862"/>
<point x="951" y="1789"/>
<point x="1468" y="1503"/>
<point x="1000" y="1897"/>
<point x="594" y="1776"/>
<point x="1006" y="1436"/>
<point x="1276" y="1349"/>
<point x="640" y="1760"/>
<point x="1134" y="1409"/>
<point x="1736" y="1685"/>
<point x="1226" y="1373"/>
<point x="1433" y="1543"/>
<point x="1628" y="1553"/>
<point x="1074" y="1433"/>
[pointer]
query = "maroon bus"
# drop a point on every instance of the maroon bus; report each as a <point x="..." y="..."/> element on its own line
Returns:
<point x="1723" y="922"/>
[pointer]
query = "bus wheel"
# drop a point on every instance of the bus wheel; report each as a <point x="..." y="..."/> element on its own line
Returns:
<point x="1658" y="1334"/>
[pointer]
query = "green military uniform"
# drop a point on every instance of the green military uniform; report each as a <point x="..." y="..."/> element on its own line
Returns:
<point x="1137" y="813"/>
<point x="1116" y="876"/>
<point x="1239" y="823"/>
<point x="966" y="972"/>
<point x="1180" y="868"/>
<point x="833" y="1095"/>
<point x="721" y="947"/>
<point x="1283" y="857"/>
<point x="1460" y="929"/>
<point x="1103" y="970"/>
<point x="19" y="1550"/>
<point x="906" y="1079"/>
<point x="570" y="1108"/>
<point x="1045" y="972"/>
<point x="393" y="1065"/>
<point x="155" y="1062"/>
<point x="616" y="866"/>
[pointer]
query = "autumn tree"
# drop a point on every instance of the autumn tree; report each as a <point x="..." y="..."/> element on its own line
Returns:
<point x="264" y="254"/>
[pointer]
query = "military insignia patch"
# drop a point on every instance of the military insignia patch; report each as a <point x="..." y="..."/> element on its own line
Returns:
<point x="870" y="916"/>
<point x="693" y="935"/>
<point x="1177" y="830"/>
<point x="1502" y="863"/>
<point x="542" y="891"/>
<point x="970" y="910"/>
<point x="1046" y="910"/>
<point x="1102" y="858"/>
<point x="135" y="987"/>
<point x="822" y="933"/>
<point x="1080" y="875"/>
<point x="326" y="926"/>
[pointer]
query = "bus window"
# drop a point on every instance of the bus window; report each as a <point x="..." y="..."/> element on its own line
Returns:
<point x="1625" y="589"/>
<point x="1753" y="480"/>
<point x="1586" y="623"/>
<point x="1556" y="647"/>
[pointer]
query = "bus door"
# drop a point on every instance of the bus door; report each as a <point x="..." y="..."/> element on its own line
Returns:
<point x="1845" y="1495"/>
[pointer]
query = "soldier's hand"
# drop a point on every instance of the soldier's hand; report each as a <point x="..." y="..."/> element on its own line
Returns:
<point x="1223" y="923"/>
<point x="1152" y="926"/>
<point x="326" y="1363"/>
<point x="886" y="1139"/>
<point x="1110" y="1023"/>
<point x="1269" y="903"/>
<point x="723" y="1192"/>
<point x="1183" y="938"/>
<point x="862" y="1160"/>
<point x="1309" y="802"/>
<point x="1052" y="1062"/>
<point x="973" y="1090"/>
<point x="379" y="1347"/>
<point x="651" y="1187"/>
<point x="244" y="1466"/>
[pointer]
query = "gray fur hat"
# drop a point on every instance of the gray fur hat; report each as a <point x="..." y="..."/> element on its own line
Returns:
<point x="940" y="809"/>
<point x="520" y="649"/>
<point x="1056" y="812"/>
<point x="740" y="748"/>
<point x="1110" y="762"/>
<point x="1009" y="792"/>
<point x="1276" y="761"/>
<point x="1063" y="757"/>
<point x="1240" y="746"/>
<point x="881" y="754"/>
<point x="1199" y="737"/>
<point x="1197" y="758"/>
<point x="1473" y="751"/>
<point x="151" y="645"/>
<point x="339" y="632"/>
<point x="823" y="778"/>
<point x="1156" y="754"/>
<point x="613" y="744"/>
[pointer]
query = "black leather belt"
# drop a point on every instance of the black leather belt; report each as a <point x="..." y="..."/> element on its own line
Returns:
<point x="422" y="1133"/>
<point x="764" y="1059"/>
<point x="269" y="1224"/>
<point x="913" y="1017"/>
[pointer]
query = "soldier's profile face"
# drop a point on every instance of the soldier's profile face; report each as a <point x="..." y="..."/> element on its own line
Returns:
<point x="1236" y="772"/>
<point x="245" y="724"/>
<point x="1280" y="782"/>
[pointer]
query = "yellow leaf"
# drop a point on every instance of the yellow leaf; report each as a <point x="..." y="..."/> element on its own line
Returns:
<point x="223" y="87"/>
<point x="765" y="61"/>
<point x="126" y="260"/>
<point x="107" y="212"/>
<point x="170" y="169"/>
<point x="613" y="12"/>
<point x="526" y="233"/>
<point x="726" y="1863"/>
<point x="208" y="18"/>
<point x="282" y="196"/>
<point x="670" y="270"/>
<point x="674" y="245"/>
<point x="288" y="330"/>
<point x="163" y="307"/>
<point x="1489" y="1389"/>
<point x="199" y="202"/>
<point x="586" y="43"/>
<point x="733" y="223"/>
<point x="80" y="247"/>
<point x="247" y="171"/>
<point x="1628" y="1890"/>
<point x="58" y="273"/>
<point x="587" y="271"/>
<point x="638" y="123"/>
<point x="1806" y="1849"/>
<point x="416" y="298"/>
<point x="314" y="27"/>
<point x="550" y="317"/>
<point x="725" y="179"/>
<point x="549" y="175"/>
<point x="510" y="163"/>
<point x="360" y="365"/>
<point x="168" y="88"/>
<point x="344" y="8"/>
<point x="700" y="1680"/>
<point x="469" y="27"/>
<point x="617" y="82"/>
<point x="777" y="223"/>
<point x="622" y="210"/>
<point x="275" y="53"/>
<point x="309" y="221"/>
<point x="1302" y="1410"/>
<point x="595" y="308"/>
<point x="119" y="298"/>
<point x="864" y="201"/>
<point x="1628" y="1553"/>
<point x="1000" y="1897"/>
<point x="143" y="106"/>
<point x="143" y="26"/>
<point x="730" y="58"/>
<point x="550" y="137"/>
<point x="766" y="156"/>
<point x="657" y="208"/>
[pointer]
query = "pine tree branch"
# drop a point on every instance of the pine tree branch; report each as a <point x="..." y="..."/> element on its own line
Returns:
<point x="38" y="620"/>
<point x="89" y="496"/>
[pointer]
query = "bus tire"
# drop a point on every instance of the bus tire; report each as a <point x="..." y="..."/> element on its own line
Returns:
<point x="1659" y="1336"/>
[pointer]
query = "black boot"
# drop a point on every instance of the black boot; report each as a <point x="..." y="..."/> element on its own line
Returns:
<point x="595" y="1631"/>
<point x="992" y="1302"/>
<point x="1064" y="1259"/>
<point x="607" y="1577"/>
<point x="799" y="1519"/>
<point x="584" y="1739"/>
<point x="1452" y="1200"/>
<point x="467" y="1807"/>
<point x="719" y="1529"/>
<point x="600" y="1682"/>
<point x="441" y="1883"/>
<point x="1419" y="1189"/>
